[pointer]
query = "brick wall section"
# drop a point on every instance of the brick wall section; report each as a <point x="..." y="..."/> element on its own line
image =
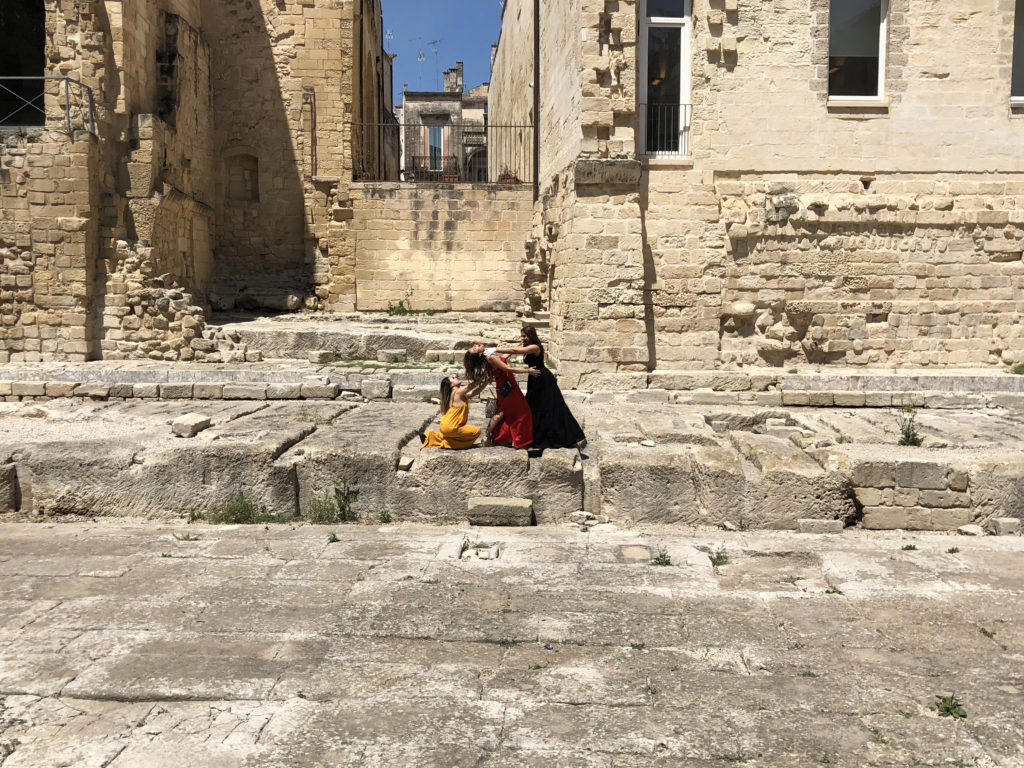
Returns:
<point x="447" y="247"/>
<point x="47" y="247"/>
<point x="796" y="232"/>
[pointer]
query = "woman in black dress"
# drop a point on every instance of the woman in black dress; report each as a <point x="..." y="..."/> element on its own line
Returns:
<point x="553" y="423"/>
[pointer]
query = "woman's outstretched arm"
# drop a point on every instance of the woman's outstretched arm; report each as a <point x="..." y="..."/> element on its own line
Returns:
<point x="531" y="349"/>
<point x="497" y="362"/>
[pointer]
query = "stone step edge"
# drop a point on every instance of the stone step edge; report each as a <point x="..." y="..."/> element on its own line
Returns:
<point x="384" y="388"/>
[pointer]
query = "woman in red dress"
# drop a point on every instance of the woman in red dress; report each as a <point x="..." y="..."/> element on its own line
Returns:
<point x="516" y="425"/>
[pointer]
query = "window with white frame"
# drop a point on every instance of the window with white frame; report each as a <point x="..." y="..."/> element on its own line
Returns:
<point x="1017" y="76"/>
<point x="665" y="77"/>
<point x="856" y="49"/>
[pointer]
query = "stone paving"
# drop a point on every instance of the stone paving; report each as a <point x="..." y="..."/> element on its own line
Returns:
<point x="144" y="645"/>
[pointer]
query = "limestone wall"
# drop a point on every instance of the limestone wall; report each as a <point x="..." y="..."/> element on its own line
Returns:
<point x="452" y="247"/>
<point x="796" y="232"/>
<point x="47" y="247"/>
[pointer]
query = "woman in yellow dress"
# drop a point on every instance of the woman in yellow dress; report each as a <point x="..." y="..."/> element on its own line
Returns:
<point x="455" y="432"/>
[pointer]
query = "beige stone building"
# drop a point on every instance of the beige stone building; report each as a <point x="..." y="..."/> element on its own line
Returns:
<point x="180" y="155"/>
<point x="790" y="183"/>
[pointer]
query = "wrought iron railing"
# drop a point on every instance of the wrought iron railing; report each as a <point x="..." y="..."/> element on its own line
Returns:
<point x="59" y="103"/>
<point x="435" y="153"/>
<point x="665" y="130"/>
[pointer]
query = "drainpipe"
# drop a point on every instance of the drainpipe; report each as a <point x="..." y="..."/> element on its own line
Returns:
<point x="536" y="100"/>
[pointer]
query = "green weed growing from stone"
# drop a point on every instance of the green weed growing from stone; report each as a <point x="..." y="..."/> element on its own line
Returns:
<point x="908" y="432"/>
<point x="185" y="537"/>
<point x="953" y="550"/>
<point x="719" y="557"/>
<point x="7" y="748"/>
<point x="950" y="706"/>
<point x="662" y="558"/>
<point x="333" y="538"/>
<point x="1018" y="369"/>
<point x="243" y="509"/>
<point x="399" y="309"/>
<point x="384" y="517"/>
<point x="334" y="506"/>
<point x="909" y="548"/>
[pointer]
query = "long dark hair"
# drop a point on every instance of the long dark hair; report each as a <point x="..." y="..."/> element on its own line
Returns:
<point x="531" y="334"/>
<point x="446" y="394"/>
<point x="477" y="368"/>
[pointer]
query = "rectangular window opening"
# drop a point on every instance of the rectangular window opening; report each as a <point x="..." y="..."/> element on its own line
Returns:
<point x="856" y="49"/>
<point x="665" y="76"/>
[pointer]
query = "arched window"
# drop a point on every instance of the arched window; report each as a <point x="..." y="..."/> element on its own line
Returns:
<point x="243" y="178"/>
<point x="22" y="54"/>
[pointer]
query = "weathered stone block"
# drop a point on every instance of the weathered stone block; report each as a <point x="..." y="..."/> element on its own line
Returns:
<point x="874" y="474"/>
<point x="922" y="474"/>
<point x="499" y="511"/>
<point x="607" y="172"/>
<point x="1004" y="526"/>
<point x="60" y="389"/>
<point x="284" y="391"/>
<point x="245" y="392"/>
<point x="208" y="391"/>
<point x="145" y="390"/>
<point x="93" y="390"/>
<point x="915" y="518"/>
<point x="392" y="355"/>
<point x="28" y="388"/>
<point x="311" y="391"/>
<point x="176" y="391"/>
<point x="376" y="389"/>
<point x="190" y="425"/>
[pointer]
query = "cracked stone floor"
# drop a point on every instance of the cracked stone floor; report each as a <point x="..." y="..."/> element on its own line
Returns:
<point x="142" y="645"/>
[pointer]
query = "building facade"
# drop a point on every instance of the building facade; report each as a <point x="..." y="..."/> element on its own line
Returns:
<point x="169" y="156"/>
<point x="739" y="183"/>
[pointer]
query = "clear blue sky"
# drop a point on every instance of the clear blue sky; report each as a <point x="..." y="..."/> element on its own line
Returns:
<point x="465" y="30"/>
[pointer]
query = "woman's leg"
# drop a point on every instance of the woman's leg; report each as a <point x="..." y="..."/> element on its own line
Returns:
<point x="493" y="425"/>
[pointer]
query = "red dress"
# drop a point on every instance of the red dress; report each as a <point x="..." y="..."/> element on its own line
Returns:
<point x="516" y="429"/>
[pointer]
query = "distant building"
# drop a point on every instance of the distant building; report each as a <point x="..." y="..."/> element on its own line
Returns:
<point x="444" y="133"/>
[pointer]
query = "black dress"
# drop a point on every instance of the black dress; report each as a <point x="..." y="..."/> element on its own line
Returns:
<point x="553" y="423"/>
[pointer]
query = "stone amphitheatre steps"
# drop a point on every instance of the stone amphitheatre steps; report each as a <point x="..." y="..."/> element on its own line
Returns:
<point x="746" y="466"/>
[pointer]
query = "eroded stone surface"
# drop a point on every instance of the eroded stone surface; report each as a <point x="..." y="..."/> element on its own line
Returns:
<point x="134" y="645"/>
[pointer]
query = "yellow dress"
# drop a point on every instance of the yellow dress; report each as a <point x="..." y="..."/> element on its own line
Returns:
<point x="455" y="432"/>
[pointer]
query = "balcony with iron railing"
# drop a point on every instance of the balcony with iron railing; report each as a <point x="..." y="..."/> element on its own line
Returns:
<point x="665" y="130"/>
<point x="54" y="103"/>
<point x="472" y="152"/>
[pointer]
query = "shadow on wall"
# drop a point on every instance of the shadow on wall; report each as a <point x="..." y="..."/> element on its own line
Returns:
<point x="263" y="249"/>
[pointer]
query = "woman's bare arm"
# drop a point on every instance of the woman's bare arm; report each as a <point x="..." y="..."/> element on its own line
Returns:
<point x="532" y="349"/>
<point x="476" y="388"/>
<point x="497" y="362"/>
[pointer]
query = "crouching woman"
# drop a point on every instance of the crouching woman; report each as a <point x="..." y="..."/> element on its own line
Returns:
<point x="455" y="432"/>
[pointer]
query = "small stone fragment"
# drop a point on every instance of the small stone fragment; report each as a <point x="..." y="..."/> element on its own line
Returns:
<point x="1004" y="526"/>
<point x="647" y="443"/>
<point x="190" y="425"/>
<point x="405" y="463"/>
<point x="971" y="530"/>
<point x="321" y="356"/>
<point x="727" y="526"/>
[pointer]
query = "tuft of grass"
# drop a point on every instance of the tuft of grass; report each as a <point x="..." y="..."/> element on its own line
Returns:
<point x="384" y="517"/>
<point x="987" y="632"/>
<point x="243" y="509"/>
<point x="808" y="674"/>
<point x="909" y="548"/>
<point x="719" y="557"/>
<point x="843" y="439"/>
<point x="185" y="537"/>
<point x="950" y="706"/>
<point x="399" y="309"/>
<point x="953" y="551"/>
<point x="662" y="558"/>
<point x="333" y="538"/>
<point x="334" y="506"/>
<point x="8" y="748"/>
<point x="908" y="431"/>
<point x="637" y="646"/>
<point x="1018" y="369"/>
